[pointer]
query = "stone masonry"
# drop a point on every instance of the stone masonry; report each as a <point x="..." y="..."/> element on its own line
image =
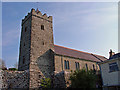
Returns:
<point x="35" y="46"/>
<point x="14" y="79"/>
<point x="38" y="58"/>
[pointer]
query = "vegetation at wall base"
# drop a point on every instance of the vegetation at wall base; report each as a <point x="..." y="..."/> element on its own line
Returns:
<point x="83" y="79"/>
<point x="46" y="83"/>
<point x="12" y="69"/>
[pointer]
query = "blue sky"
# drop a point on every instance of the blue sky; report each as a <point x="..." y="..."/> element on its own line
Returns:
<point x="86" y="26"/>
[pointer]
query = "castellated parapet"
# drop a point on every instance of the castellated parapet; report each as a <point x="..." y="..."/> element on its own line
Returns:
<point x="38" y="14"/>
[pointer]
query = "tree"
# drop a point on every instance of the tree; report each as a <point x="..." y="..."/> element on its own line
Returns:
<point x="83" y="79"/>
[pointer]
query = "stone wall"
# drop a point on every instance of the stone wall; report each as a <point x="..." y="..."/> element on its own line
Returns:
<point x="60" y="65"/>
<point x="20" y="79"/>
<point x="46" y="63"/>
<point x="61" y="79"/>
<point x="14" y="79"/>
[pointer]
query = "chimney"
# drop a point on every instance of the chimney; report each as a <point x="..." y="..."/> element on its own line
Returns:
<point x="111" y="53"/>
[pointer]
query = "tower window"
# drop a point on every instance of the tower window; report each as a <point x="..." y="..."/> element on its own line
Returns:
<point x="42" y="27"/>
<point x="24" y="44"/>
<point x="43" y="43"/>
<point x="25" y="29"/>
<point x="23" y="59"/>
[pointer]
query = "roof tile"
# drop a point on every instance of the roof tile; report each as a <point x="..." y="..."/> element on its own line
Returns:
<point x="78" y="54"/>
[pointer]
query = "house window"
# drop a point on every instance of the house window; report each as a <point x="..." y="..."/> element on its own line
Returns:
<point x="66" y="64"/>
<point x="77" y="65"/>
<point x="113" y="67"/>
<point x="86" y="67"/>
<point x="42" y="27"/>
<point x="23" y="59"/>
<point x="25" y="29"/>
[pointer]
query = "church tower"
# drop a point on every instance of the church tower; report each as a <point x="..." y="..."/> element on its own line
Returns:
<point x="36" y="46"/>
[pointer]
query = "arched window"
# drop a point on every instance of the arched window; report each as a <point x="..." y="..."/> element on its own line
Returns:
<point x="77" y="65"/>
<point x="42" y="27"/>
<point x="66" y="64"/>
<point x="93" y="67"/>
<point x="86" y="67"/>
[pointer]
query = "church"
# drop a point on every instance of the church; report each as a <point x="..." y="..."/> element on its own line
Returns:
<point x="40" y="56"/>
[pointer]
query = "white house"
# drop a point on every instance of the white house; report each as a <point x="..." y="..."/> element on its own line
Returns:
<point x="110" y="72"/>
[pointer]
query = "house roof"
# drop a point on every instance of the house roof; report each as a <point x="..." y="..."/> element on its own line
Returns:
<point x="117" y="55"/>
<point x="78" y="54"/>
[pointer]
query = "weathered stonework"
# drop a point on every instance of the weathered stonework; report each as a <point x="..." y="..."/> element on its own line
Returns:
<point x="36" y="46"/>
<point x="61" y="79"/>
<point x="38" y="59"/>
<point x="14" y="79"/>
<point x="59" y="63"/>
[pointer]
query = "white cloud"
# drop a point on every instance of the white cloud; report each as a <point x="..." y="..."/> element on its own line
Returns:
<point x="97" y="16"/>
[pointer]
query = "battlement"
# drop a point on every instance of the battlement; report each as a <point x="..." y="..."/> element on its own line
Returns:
<point x="37" y="13"/>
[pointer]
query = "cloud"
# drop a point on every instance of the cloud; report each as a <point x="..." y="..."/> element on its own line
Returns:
<point x="94" y="17"/>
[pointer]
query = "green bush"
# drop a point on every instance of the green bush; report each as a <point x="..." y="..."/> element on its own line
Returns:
<point x="12" y="69"/>
<point x="46" y="83"/>
<point x="83" y="79"/>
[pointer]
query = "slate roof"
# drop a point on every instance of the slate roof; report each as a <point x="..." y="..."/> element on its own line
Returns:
<point x="115" y="56"/>
<point x="78" y="54"/>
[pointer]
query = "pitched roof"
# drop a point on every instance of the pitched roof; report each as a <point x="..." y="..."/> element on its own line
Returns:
<point x="78" y="54"/>
<point x="117" y="55"/>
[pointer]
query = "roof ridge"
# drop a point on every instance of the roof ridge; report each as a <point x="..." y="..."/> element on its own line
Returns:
<point x="78" y="50"/>
<point x="98" y="55"/>
<point x="72" y="49"/>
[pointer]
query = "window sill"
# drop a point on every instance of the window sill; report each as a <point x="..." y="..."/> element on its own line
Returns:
<point x="114" y="71"/>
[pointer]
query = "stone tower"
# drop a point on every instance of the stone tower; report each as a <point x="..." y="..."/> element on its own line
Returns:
<point x="36" y="46"/>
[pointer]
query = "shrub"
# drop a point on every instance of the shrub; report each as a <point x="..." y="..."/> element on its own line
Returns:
<point x="13" y="69"/>
<point x="46" y="83"/>
<point x="83" y="79"/>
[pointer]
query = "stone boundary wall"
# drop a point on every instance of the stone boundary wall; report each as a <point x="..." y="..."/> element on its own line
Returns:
<point x="20" y="79"/>
<point x="14" y="79"/>
<point x="61" y="79"/>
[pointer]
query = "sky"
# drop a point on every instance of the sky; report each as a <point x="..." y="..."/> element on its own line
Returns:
<point x="86" y="26"/>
